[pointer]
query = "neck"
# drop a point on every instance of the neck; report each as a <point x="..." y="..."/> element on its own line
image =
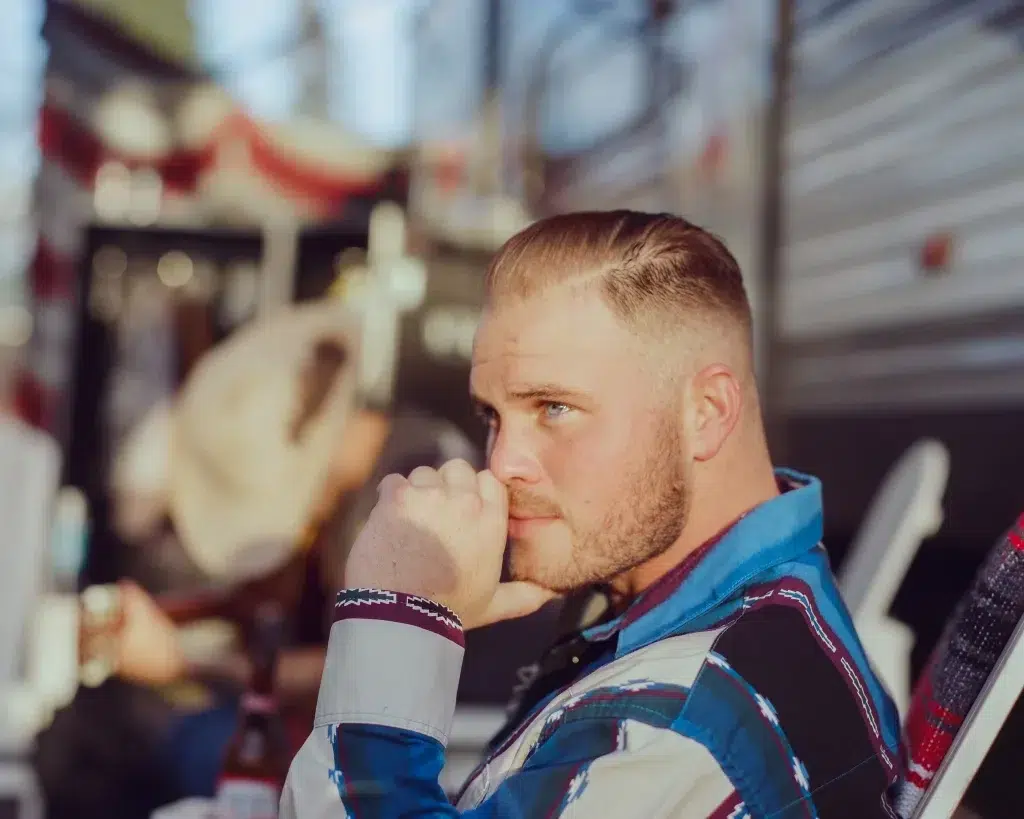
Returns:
<point x="711" y="511"/>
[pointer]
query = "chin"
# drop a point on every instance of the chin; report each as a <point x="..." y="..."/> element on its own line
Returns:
<point x="548" y="566"/>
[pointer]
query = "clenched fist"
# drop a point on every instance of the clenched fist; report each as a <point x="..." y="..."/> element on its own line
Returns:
<point x="440" y="534"/>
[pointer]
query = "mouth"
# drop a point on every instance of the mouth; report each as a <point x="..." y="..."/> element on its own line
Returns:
<point x="521" y="526"/>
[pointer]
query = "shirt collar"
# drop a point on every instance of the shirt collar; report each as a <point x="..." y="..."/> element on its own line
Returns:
<point x="775" y="532"/>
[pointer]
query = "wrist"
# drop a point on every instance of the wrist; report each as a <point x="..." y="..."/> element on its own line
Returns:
<point x="393" y="659"/>
<point x="374" y="603"/>
<point x="397" y="580"/>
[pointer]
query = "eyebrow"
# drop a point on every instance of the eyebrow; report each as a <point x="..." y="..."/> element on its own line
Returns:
<point x="537" y="392"/>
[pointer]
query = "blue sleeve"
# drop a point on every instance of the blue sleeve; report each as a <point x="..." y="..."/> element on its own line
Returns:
<point x="385" y="708"/>
<point x="377" y="772"/>
<point x="369" y="772"/>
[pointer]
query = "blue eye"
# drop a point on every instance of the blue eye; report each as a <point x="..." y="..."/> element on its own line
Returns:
<point x="555" y="410"/>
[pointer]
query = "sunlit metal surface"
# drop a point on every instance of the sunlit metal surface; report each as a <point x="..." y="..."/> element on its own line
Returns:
<point x="906" y="194"/>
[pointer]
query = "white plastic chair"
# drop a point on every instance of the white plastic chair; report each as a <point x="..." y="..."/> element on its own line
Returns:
<point x="906" y="509"/>
<point x="29" y="472"/>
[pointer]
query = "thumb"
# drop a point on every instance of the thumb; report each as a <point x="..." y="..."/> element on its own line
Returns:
<point x="515" y="599"/>
<point x="493" y="491"/>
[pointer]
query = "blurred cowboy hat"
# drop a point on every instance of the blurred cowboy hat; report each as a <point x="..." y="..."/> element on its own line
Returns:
<point x="256" y="427"/>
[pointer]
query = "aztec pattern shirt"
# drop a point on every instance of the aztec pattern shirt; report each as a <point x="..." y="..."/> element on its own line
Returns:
<point x="734" y="687"/>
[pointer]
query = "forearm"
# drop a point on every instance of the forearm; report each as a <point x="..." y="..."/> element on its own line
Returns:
<point x="385" y="708"/>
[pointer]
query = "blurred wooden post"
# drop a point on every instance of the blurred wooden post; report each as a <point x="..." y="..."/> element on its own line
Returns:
<point x="391" y="283"/>
<point x="773" y="226"/>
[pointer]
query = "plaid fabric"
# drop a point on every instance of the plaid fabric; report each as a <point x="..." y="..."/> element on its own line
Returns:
<point x="966" y="655"/>
<point x="736" y="687"/>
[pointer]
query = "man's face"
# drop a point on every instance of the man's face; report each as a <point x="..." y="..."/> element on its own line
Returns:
<point x="585" y="434"/>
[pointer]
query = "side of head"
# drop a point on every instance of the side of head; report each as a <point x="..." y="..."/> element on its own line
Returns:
<point x="614" y="366"/>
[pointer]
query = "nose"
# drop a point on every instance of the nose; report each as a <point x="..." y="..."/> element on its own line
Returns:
<point x="512" y="459"/>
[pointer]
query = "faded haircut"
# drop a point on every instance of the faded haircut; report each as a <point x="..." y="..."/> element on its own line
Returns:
<point x="656" y="271"/>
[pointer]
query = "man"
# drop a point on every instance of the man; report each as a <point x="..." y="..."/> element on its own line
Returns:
<point x="613" y="365"/>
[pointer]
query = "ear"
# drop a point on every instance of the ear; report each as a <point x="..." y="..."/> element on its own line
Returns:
<point x="717" y="401"/>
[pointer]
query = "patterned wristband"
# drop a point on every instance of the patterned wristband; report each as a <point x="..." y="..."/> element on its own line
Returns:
<point x="398" y="607"/>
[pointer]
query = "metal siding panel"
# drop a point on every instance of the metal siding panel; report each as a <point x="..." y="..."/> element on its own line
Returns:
<point x="906" y="122"/>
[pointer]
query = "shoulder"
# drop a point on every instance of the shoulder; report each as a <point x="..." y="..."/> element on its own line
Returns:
<point x="787" y="687"/>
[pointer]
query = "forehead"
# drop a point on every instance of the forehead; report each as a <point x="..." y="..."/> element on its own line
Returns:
<point x="561" y="336"/>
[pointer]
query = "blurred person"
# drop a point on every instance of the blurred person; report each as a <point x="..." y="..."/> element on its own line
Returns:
<point x="153" y="650"/>
<point x="267" y="429"/>
<point x="718" y="673"/>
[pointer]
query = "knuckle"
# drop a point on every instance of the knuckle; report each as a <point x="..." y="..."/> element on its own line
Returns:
<point x="458" y="464"/>
<point x="459" y="475"/>
<point x="469" y="501"/>
<point x="417" y="500"/>
<point x="390" y="484"/>
<point x="491" y="489"/>
<point x="423" y="476"/>
<point x="402" y="492"/>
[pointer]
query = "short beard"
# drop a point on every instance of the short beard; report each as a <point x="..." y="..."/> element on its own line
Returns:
<point x="648" y="519"/>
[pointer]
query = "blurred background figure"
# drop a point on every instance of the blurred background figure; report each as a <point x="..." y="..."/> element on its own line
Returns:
<point x="248" y="488"/>
<point x="241" y="259"/>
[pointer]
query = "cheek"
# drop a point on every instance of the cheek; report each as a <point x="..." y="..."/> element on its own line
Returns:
<point x="586" y="470"/>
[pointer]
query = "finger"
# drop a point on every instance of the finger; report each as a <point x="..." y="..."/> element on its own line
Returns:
<point x="130" y="595"/>
<point x="492" y="490"/>
<point x="458" y="474"/>
<point x="424" y="477"/>
<point x="391" y="484"/>
<point x="515" y="599"/>
<point x="129" y="589"/>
